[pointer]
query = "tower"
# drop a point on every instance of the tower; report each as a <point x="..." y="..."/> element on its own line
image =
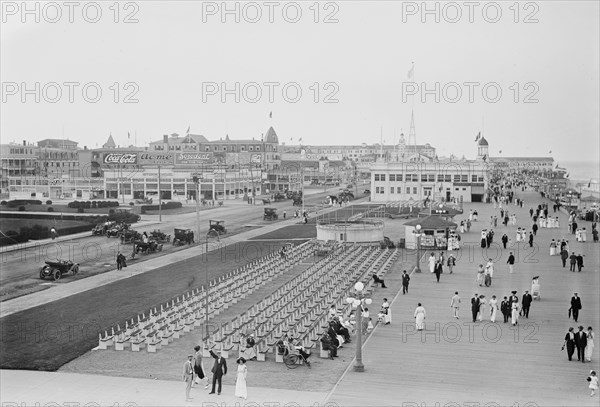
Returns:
<point x="482" y="149"/>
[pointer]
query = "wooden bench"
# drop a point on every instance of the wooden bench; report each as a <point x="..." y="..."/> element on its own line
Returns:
<point x="138" y="342"/>
<point x="106" y="341"/>
<point x="153" y="342"/>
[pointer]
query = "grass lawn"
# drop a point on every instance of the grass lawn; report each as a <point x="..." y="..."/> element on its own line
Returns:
<point x="48" y="336"/>
<point x="15" y="224"/>
<point x="297" y="231"/>
<point x="59" y="208"/>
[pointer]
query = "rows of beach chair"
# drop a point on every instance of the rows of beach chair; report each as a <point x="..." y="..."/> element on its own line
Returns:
<point x="164" y="323"/>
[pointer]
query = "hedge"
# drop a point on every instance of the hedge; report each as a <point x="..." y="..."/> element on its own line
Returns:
<point x="167" y="205"/>
<point x="93" y="204"/>
<point x="19" y="202"/>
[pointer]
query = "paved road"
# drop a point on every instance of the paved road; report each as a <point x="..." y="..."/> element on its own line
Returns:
<point x="96" y="254"/>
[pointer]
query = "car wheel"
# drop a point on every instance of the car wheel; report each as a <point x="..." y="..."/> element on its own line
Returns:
<point x="42" y="275"/>
<point x="75" y="269"/>
<point x="56" y="275"/>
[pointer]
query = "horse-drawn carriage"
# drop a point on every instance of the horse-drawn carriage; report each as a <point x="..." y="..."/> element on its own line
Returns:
<point x="56" y="269"/>
<point x="270" y="214"/>
<point x="297" y="201"/>
<point x="160" y="237"/>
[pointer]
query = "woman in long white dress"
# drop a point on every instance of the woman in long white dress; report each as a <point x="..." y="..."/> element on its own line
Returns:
<point x="516" y="308"/>
<point x="518" y="234"/>
<point x="552" y="248"/>
<point x="420" y="315"/>
<point x="589" y="348"/>
<point x="385" y="309"/>
<point x="493" y="308"/>
<point x="432" y="261"/>
<point x="240" y="383"/>
<point x="482" y="307"/>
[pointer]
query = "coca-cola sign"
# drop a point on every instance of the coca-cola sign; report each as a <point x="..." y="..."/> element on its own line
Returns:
<point x="120" y="158"/>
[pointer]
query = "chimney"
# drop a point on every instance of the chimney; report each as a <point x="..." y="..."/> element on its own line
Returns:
<point x="25" y="142"/>
<point x="166" y="139"/>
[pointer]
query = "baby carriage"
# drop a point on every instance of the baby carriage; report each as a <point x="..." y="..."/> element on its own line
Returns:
<point x="535" y="288"/>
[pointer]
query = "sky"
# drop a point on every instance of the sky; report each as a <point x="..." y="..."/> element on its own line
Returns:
<point x="163" y="67"/>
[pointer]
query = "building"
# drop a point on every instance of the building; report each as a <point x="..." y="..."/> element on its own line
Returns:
<point x="465" y="181"/>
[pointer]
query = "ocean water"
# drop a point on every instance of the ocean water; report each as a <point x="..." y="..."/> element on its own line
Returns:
<point x="582" y="171"/>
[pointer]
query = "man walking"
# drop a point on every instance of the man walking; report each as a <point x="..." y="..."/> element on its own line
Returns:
<point x="526" y="303"/>
<point x="530" y="239"/>
<point x="188" y="376"/>
<point x="564" y="255"/>
<point x="575" y="306"/>
<point x="569" y="343"/>
<point x="405" y="281"/>
<point x="511" y="262"/>
<point x="580" y="344"/>
<point x="438" y="270"/>
<point x="579" y="260"/>
<point x="505" y="308"/>
<point x="219" y="370"/>
<point x="455" y="304"/>
<point x="475" y="307"/>
<point x="504" y="240"/>
<point x="534" y="228"/>
<point x="573" y="259"/>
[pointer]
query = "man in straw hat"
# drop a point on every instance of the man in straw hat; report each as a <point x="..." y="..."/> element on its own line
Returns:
<point x="188" y="376"/>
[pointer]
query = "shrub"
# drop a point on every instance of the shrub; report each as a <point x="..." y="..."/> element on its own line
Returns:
<point x="111" y="212"/>
<point x="3" y="203"/>
<point x="131" y="203"/>
<point x="94" y="204"/>
<point x="50" y="209"/>
<point x="21" y="209"/>
<point x="80" y="210"/>
<point x="48" y="202"/>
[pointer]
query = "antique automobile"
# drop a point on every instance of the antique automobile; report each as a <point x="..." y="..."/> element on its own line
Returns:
<point x="218" y="226"/>
<point x="129" y="236"/>
<point x="160" y="237"/>
<point x="387" y="243"/>
<point x="297" y="201"/>
<point x="270" y="214"/>
<point x="182" y="236"/>
<point x="279" y="196"/>
<point x="99" y="229"/>
<point x="56" y="269"/>
<point x="117" y="229"/>
<point x="266" y="201"/>
<point x="150" y="247"/>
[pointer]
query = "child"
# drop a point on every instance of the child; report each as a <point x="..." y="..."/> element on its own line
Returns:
<point x="593" y="379"/>
<point x="370" y="328"/>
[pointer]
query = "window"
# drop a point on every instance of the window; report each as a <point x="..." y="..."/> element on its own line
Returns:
<point x="399" y="177"/>
<point x="447" y="178"/>
<point x="382" y="190"/>
<point x="456" y="178"/>
<point x="464" y="189"/>
<point x="431" y="177"/>
<point x="440" y="178"/>
<point x="376" y="177"/>
<point x="408" y="190"/>
<point x="464" y="178"/>
<point x="423" y="177"/>
<point x="207" y="148"/>
<point x="224" y="148"/>
<point x="473" y="178"/>
<point x="480" y="179"/>
<point x="415" y="190"/>
<point x="393" y="178"/>
<point x="251" y="148"/>
<point x="383" y="177"/>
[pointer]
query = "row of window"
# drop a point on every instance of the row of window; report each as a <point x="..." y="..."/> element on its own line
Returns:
<point x="429" y="178"/>
<point x="398" y="190"/>
<point x="232" y="147"/>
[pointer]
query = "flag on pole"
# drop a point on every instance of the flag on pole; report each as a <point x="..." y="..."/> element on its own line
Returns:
<point x="500" y="152"/>
<point x="300" y="139"/>
<point x="550" y="152"/>
<point x="590" y="184"/>
<point x="411" y="72"/>
<point x="128" y="136"/>
<point x="478" y="136"/>
<point x="270" y="115"/>
<point x="188" y="130"/>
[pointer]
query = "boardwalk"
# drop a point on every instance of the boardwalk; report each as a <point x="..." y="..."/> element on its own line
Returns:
<point x="456" y="361"/>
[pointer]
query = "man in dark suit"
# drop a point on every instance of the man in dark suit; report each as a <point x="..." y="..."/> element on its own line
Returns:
<point x="579" y="259"/>
<point x="526" y="303"/>
<point x="570" y="343"/>
<point x="504" y="240"/>
<point x="564" y="255"/>
<point x="573" y="259"/>
<point x="580" y="343"/>
<point x="530" y="239"/>
<point x="575" y="306"/>
<point x="219" y="370"/>
<point x="505" y="309"/>
<point x="438" y="270"/>
<point x="475" y="307"/>
<point x="405" y="281"/>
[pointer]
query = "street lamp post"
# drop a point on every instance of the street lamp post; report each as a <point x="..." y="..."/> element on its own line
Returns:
<point x="357" y="303"/>
<point x="211" y="233"/>
<point x="197" y="179"/>
<point x="417" y="233"/>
